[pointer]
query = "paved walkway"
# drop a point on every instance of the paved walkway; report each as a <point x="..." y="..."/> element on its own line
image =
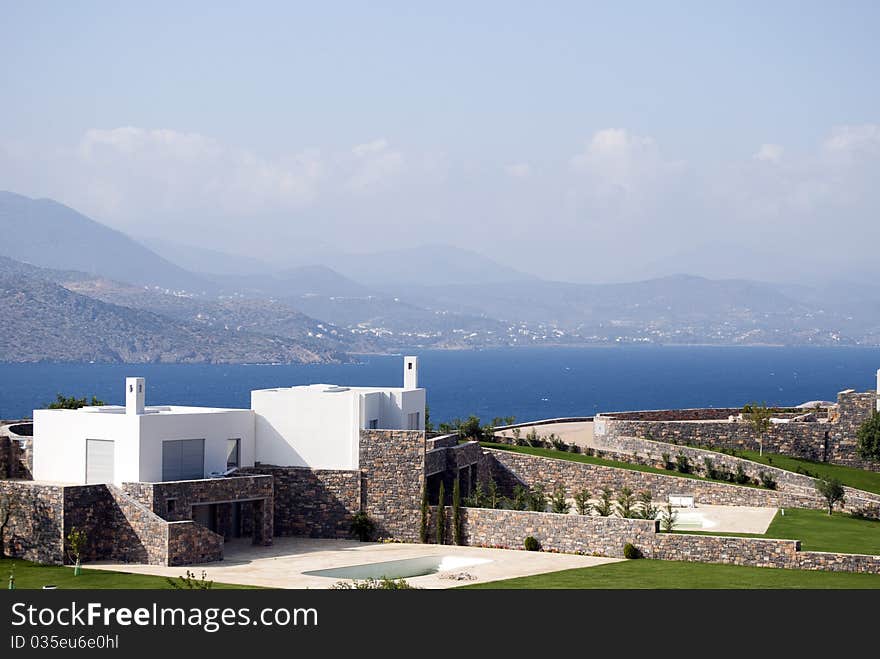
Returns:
<point x="576" y="432"/>
<point x="282" y="565"/>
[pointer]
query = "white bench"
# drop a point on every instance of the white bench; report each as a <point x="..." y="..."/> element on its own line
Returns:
<point x="681" y="501"/>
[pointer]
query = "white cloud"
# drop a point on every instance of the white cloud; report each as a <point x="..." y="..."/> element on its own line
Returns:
<point x="376" y="165"/>
<point x="518" y="170"/>
<point x="769" y="153"/>
<point x="864" y="138"/>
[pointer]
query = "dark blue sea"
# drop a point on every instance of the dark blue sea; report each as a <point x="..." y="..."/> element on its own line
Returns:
<point x="526" y="383"/>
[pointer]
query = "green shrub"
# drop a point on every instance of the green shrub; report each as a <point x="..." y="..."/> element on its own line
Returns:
<point x="373" y="584"/>
<point x="868" y="438"/>
<point x="682" y="464"/>
<point x="423" y="512"/>
<point x="574" y="448"/>
<point x="604" y="507"/>
<point x="538" y="499"/>
<point x="625" y="502"/>
<point x="767" y="481"/>
<point x="493" y="498"/>
<point x="558" y="503"/>
<point x="362" y="527"/>
<point x="531" y="544"/>
<point x="668" y="465"/>
<point x="456" y="512"/>
<point x="669" y="519"/>
<point x="520" y="499"/>
<point x="831" y="490"/>
<point x="646" y="504"/>
<point x="740" y="477"/>
<point x="191" y="582"/>
<point x="582" y="502"/>
<point x="631" y="551"/>
<point x="441" y="515"/>
<point x="711" y="471"/>
<point x="557" y="442"/>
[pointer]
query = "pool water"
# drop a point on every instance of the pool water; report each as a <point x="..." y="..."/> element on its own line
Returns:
<point x="405" y="568"/>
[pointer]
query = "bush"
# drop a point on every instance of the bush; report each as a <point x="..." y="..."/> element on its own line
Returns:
<point x="767" y="480"/>
<point x="557" y="442"/>
<point x="711" y="471"/>
<point x="456" y="512"/>
<point x="574" y="448"/>
<point x="682" y="464"/>
<point x="441" y="515"/>
<point x="625" y="502"/>
<point x="631" y="551"/>
<point x="558" y="503"/>
<point x="669" y="519"/>
<point x="604" y="507"/>
<point x="740" y="477"/>
<point x="423" y="512"/>
<point x="531" y="544"/>
<point x="373" y="584"/>
<point x="520" y="498"/>
<point x="582" y="502"/>
<point x="362" y="527"/>
<point x="831" y="490"/>
<point x="668" y="465"/>
<point x="537" y="499"/>
<point x="493" y="498"/>
<point x="648" y="509"/>
<point x="868" y="439"/>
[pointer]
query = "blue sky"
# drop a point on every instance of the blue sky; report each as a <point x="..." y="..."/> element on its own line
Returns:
<point x="546" y="130"/>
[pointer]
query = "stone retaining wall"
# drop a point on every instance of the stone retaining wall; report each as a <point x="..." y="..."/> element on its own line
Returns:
<point x="16" y="457"/>
<point x="651" y="452"/>
<point x="34" y="530"/>
<point x="833" y="441"/>
<point x="314" y="502"/>
<point x="509" y="469"/>
<point x="606" y="536"/>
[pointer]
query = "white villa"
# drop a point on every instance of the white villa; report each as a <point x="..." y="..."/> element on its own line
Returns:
<point x="316" y="426"/>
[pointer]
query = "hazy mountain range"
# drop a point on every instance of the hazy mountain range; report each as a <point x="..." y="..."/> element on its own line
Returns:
<point x="72" y="289"/>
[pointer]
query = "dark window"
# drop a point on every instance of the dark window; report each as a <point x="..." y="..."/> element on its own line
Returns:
<point x="233" y="453"/>
<point x="170" y="505"/>
<point x="183" y="459"/>
<point x="409" y="366"/>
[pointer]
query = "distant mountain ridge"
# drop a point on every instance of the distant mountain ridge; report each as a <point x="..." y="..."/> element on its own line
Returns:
<point x="44" y="233"/>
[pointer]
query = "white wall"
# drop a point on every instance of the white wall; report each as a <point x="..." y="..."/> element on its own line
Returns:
<point x="60" y="443"/>
<point x="215" y="428"/>
<point x="307" y="427"/>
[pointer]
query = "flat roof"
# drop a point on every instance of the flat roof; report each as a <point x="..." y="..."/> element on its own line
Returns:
<point x="153" y="409"/>
<point x="334" y="389"/>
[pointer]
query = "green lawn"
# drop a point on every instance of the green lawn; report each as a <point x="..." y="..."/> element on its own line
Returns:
<point x="674" y="574"/>
<point x="587" y="459"/>
<point x="34" y="576"/>
<point x="860" y="479"/>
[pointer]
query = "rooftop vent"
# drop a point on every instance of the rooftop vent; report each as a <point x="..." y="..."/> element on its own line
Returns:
<point x="335" y="390"/>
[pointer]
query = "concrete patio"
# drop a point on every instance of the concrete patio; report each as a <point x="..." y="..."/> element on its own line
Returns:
<point x="282" y="565"/>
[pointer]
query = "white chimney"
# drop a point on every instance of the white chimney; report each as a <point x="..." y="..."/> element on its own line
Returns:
<point x="135" y="394"/>
<point x="410" y="372"/>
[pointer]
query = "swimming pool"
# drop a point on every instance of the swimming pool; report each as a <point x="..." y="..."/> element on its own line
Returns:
<point x="405" y="568"/>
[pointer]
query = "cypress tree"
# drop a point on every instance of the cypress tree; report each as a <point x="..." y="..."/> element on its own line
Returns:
<point x="423" y="528"/>
<point x="441" y="515"/>
<point x="456" y="512"/>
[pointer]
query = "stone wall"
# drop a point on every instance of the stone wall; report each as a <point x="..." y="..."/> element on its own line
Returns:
<point x="34" y="530"/>
<point x="16" y="458"/>
<point x="318" y="503"/>
<point x="509" y="469"/>
<point x="392" y="468"/>
<point x="606" y="536"/>
<point x="189" y="542"/>
<point x="833" y="441"/>
<point x="254" y="488"/>
<point x="651" y="453"/>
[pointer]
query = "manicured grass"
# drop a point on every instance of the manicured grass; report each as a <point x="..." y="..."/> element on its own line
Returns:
<point x="649" y="574"/>
<point x="861" y="479"/>
<point x="819" y="532"/>
<point x="34" y="576"/>
<point x="588" y="459"/>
